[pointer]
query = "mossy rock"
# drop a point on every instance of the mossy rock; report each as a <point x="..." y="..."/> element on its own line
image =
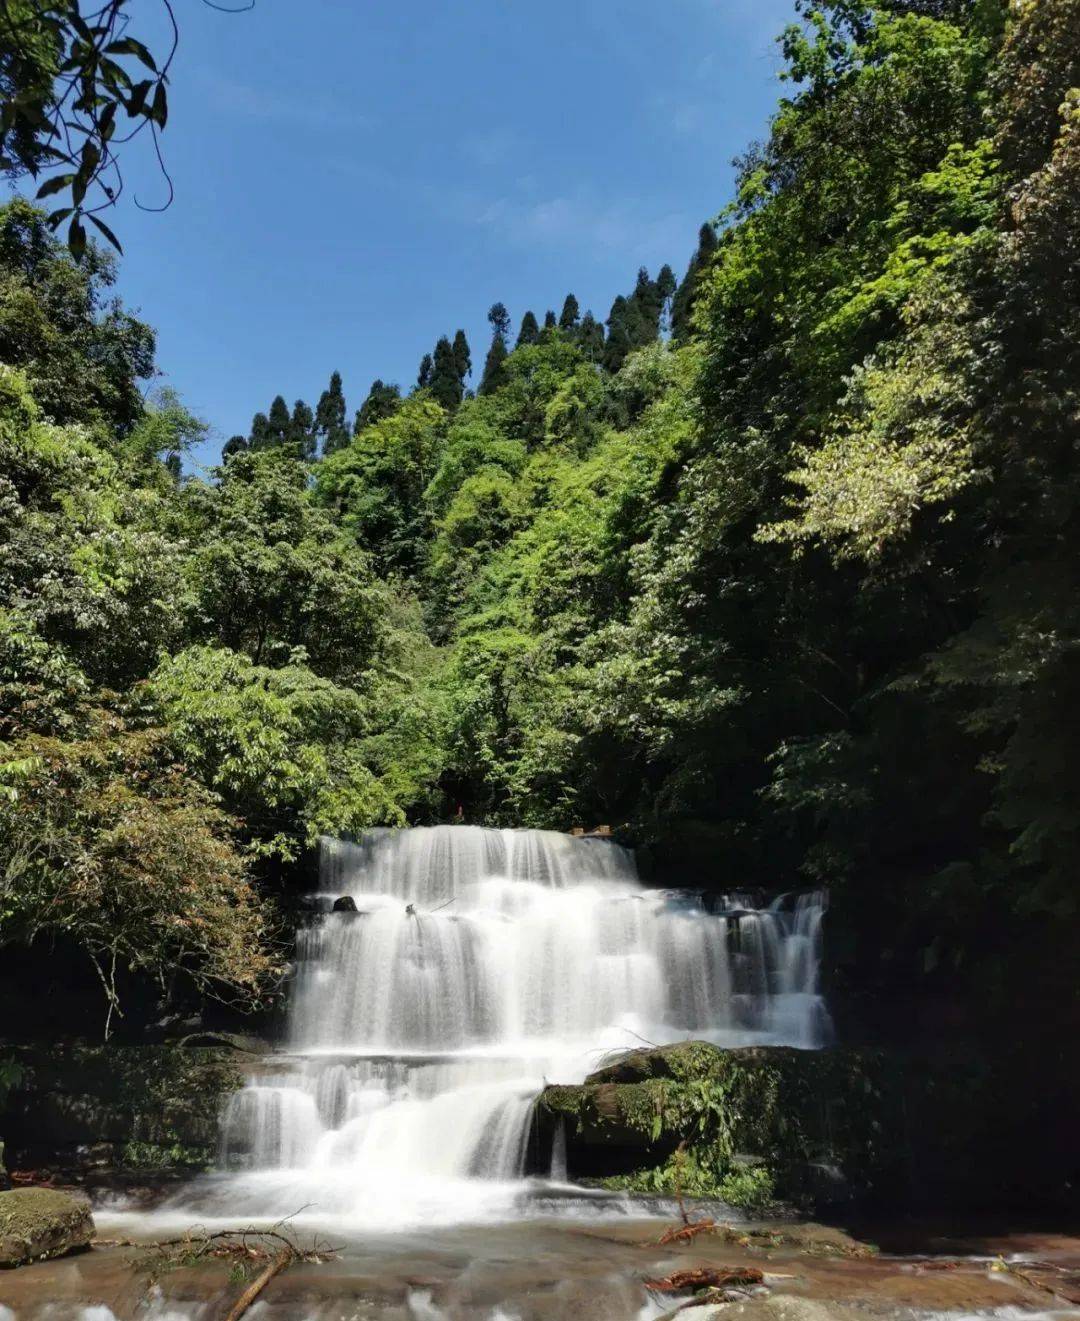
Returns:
<point x="78" y="1108"/>
<point x="36" y="1223"/>
<point x="689" y="1114"/>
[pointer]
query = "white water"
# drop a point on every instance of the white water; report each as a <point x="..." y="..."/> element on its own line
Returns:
<point x="480" y="964"/>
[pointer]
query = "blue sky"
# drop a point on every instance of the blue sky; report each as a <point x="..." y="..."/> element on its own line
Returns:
<point x="356" y="177"/>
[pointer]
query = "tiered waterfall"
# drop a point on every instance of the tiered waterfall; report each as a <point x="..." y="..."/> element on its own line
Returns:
<point x="479" y="964"/>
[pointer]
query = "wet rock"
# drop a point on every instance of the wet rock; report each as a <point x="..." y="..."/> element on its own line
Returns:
<point x="247" y="1045"/>
<point x="36" y="1223"/>
<point x="810" y="1120"/>
<point x="81" y="1111"/>
<point x="346" y="904"/>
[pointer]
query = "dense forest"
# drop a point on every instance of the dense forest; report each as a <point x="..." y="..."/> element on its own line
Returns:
<point x="775" y="569"/>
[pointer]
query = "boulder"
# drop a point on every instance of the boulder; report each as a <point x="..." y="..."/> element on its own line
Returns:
<point x="811" y="1121"/>
<point x="346" y="904"/>
<point x="36" y="1223"/>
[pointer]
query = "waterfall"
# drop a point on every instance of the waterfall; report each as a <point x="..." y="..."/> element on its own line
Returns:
<point x="478" y="965"/>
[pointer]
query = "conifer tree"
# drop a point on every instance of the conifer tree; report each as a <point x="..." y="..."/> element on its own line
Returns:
<point x="462" y="357"/>
<point x="618" y="343"/>
<point x="302" y="440"/>
<point x="447" y="386"/>
<point x="499" y="318"/>
<point x="549" y="320"/>
<point x="279" y="424"/>
<point x="382" y="401"/>
<point x="423" y="377"/>
<point x="643" y="311"/>
<point x="682" y="305"/>
<point x="497" y="354"/>
<point x="591" y="337"/>
<point x="666" y="284"/>
<point x="568" y="318"/>
<point x="260" y="431"/>
<point x="330" y="416"/>
<point x="529" y="332"/>
<point x="234" y="445"/>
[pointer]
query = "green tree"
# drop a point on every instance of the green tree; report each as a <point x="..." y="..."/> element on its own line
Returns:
<point x="447" y="382"/>
<point x="685" y="296"/>
<point x="302" y="439"/>
<point x="382" y="401"/>
<point x="462" y="356"/>
<point x="529" y="330"/>
<point x="330" y="427"/>
<point x="497" y="354"/>
<point x="83" y="354"/>
<point x="272" y="576"/>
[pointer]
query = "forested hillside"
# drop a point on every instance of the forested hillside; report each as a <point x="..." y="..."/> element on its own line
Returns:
<point x="775" y="569"/>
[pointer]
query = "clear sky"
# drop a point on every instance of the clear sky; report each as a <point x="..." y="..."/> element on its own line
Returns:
<point x="355" y="178"/>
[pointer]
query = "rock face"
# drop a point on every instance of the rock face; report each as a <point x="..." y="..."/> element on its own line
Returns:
<point x="89" y="1112"/>
<point x="691" y="1117"/>
<point x="36" y="1223"/>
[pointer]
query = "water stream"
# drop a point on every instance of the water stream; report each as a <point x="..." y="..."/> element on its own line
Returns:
<point x="480" y="964"/>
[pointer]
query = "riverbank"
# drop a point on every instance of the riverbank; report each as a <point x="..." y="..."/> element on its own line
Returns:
<point x="554" y="1270"/>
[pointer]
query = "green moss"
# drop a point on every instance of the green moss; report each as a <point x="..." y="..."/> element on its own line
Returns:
<point x="156" y="1106"/>
<point x="156" y="1156"/>
<point x="698" y="1113"/>
<point x="41" y="1222"/>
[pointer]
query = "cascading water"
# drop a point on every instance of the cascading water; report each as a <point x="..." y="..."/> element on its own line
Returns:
<point x="479" y="964"/>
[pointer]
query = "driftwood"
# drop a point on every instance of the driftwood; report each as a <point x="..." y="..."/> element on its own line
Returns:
<point x="284" y="1258"/>
<point x="706" y="1277"/>
<point x="687" y="1232"/>
<point x="274" y="1249"/>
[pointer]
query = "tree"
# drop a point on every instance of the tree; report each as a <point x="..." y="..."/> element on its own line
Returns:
<point x="67" y="78"/>
<point x="666" y="284"/>
<point x="271" y="575"/>
<point x="376" y="490"/>
<point x="570" y="315"/>
<point x="234" y="445"/>
<point x="330" y="416"/>
<point x="619" y="341"/>
<point x="497" y="354"/>
<point x="549" y="320"/>
<point x="84" y="355"/>
<point x="685" y="296"/>
<point x="529" y="331"/>
<point x="447" y="382"/>
<point x="382" y="401"/>
<point x="279" y="424"/>
<point x="260" y="432"/>
<point x="108" y="842"/>
<point x="423" y="377"/>
<point x="302" y="440"/>
<point x="462" y="357"/>
<point x="591" y="338"/>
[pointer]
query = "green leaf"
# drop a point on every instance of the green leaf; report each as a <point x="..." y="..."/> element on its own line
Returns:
<point x="77" y="238"/>
<point x="160" y="109"/>
<point x="129" y="46"/>
<point x="101" y="225"/>
<point x="136" y="102"/>
<point x="55" y="185"/>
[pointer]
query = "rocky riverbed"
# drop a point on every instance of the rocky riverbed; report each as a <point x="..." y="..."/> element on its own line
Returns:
<point x="558" y="1270"/>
